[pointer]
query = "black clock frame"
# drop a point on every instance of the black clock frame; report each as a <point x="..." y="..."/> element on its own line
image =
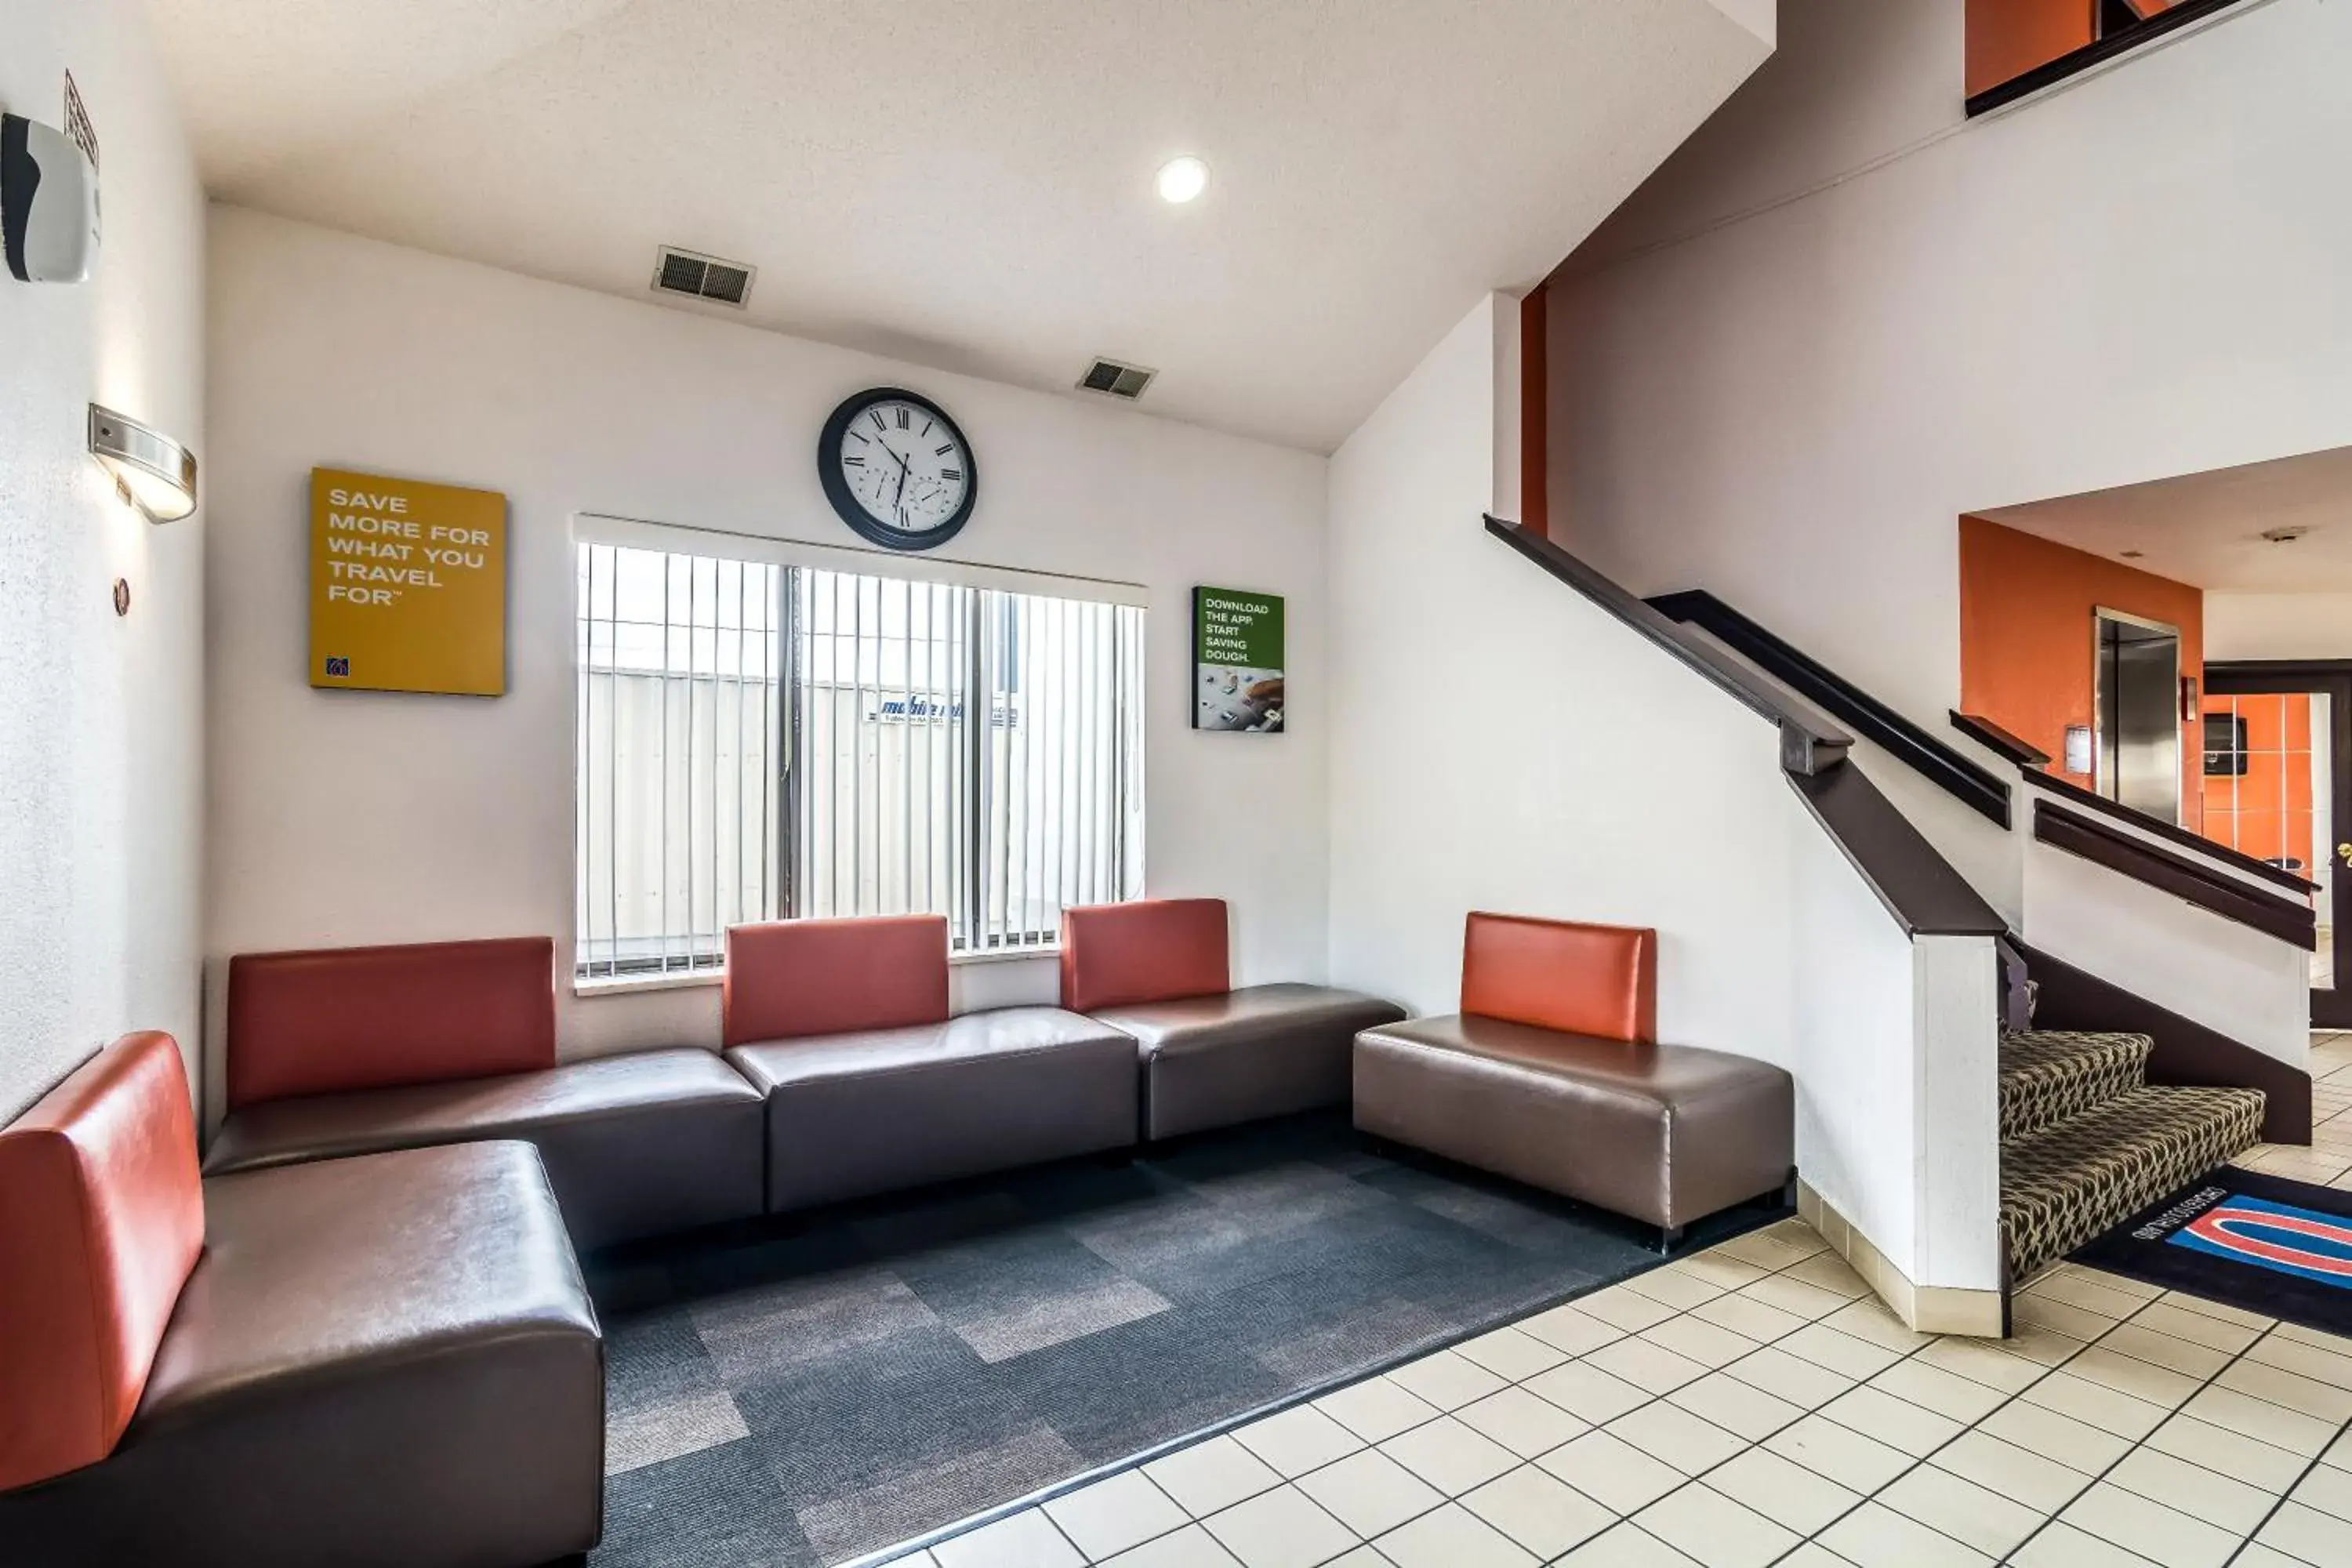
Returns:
<point x="837" y="485"/>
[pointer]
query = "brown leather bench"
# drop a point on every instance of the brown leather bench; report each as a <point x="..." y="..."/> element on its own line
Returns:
<point x="357" y="1050"/>
<point x="1159" y="971"/>
<point x="872" y="1087"/>
<point x="312" y="1364"/>
<point x="1551" y="1074"/>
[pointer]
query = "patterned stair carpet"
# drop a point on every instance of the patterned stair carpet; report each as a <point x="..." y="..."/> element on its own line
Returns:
<point x="2086" y="1141"/>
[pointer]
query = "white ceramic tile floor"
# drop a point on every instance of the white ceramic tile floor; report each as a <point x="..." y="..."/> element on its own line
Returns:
<point x="1745" y="1407"/>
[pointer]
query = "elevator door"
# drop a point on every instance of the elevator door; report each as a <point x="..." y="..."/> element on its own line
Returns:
<point x="2139" y="713"/>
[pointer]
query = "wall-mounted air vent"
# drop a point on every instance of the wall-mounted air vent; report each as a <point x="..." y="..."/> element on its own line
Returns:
<point x="1116" y="380"/>
<point x="699" y="277"/>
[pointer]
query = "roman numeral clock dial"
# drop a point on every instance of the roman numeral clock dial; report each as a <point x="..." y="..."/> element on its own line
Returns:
<point x="898" y="469"/>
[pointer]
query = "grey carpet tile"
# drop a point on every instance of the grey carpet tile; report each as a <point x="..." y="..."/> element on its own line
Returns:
<point x="869" y="1416"/>
<point x="668" y="1430"/>
<point x="808" y="1390"/>
<point x="752" y="1334"/>
<point x="653" y="1358"/>
<point x="929" y="1220"/>
<point x="1374" y="1332"/>
<point x="1128" y="1388"/>
<point x="750" y="1256"/>
<point x="969" y="1282"/>
<point x="908" y="1504"/>
<point x="716" y="1508"/>
<point x="1047" y="1318"/>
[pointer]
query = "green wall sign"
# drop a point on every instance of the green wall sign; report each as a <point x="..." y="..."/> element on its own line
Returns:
<point x="1237" y="680"/>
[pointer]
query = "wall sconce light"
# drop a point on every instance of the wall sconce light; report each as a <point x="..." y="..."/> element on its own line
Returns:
<point x="155" y="473"/>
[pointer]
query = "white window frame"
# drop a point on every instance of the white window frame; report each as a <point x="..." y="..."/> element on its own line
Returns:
<point x="977" y="934"/>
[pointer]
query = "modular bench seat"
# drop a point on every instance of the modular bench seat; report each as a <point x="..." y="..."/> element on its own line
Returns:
<point x="387" y="1362"/>
<point x="358" y="1050"/>
<point x="1158" y="972"/>
<point x="1551" y="1075"/>
<point x="872" y="1087"/>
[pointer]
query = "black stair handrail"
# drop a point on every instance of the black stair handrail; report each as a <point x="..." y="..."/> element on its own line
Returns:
<point x="2000" y="742"/>
<point x="1809" y="741"/>
<point x="2172" y="832"/>
<point x="2079" y="833"/>
<point x="1918" y="887"/>
<point x="1975" y="785"/>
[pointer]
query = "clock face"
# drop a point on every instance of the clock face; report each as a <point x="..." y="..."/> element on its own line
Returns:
<point x="898" y="469"/>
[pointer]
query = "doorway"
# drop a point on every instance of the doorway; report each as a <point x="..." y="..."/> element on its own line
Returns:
<point x="2137" y="715"/>
<point x="2277" y="780"/>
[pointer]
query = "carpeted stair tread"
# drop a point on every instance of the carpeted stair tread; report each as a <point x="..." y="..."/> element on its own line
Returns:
<point x="2048" y="1075"/>
<point x="2063" y="1185"/>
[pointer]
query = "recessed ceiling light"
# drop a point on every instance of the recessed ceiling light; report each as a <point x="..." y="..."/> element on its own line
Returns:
<point x="2134" y="554"/>
<point x="1182" y="179"/>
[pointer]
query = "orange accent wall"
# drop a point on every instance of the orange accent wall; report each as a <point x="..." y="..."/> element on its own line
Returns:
<point x="2009" y="38"/>
<point x="1535" y="422"/>
<point x="2026" y="656"/>
<point x="2266" y="812"/>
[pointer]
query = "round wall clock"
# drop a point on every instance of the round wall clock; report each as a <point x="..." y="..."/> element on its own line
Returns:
<point x="897" y="470"/>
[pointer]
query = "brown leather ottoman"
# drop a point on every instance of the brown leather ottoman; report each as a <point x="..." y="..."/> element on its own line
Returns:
<point x="1551" y="1074"/>
<point x="1661" y="1133"/>
<point x="1237" y="1056"/>
<point x="635" y="1146"/>
<point x="878" y="1110"/>
<point x="387" y="1362"/>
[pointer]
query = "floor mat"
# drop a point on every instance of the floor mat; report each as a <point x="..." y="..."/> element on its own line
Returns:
<point x="2269" y="1245"/>
<point x="813" y="1392"/>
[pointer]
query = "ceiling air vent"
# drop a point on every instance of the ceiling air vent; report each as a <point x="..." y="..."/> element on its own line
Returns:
<point x="700" y="276"/>
<point x="1108" y="375"/>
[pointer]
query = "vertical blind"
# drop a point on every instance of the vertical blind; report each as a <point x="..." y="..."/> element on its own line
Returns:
<point x="759" y="741"/>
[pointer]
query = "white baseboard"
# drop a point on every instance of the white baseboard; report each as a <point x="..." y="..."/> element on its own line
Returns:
<point x="1924" y="1308"/>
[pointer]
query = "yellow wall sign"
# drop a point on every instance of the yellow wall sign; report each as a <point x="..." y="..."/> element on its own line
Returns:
<point x="408" y="586"/>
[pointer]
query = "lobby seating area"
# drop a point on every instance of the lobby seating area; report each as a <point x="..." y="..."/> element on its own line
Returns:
<point x="384" y="1245"/>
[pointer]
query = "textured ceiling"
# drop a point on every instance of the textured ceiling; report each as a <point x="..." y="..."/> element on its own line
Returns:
<point x="969" y="186"/>
<point x="2207" y="529"/>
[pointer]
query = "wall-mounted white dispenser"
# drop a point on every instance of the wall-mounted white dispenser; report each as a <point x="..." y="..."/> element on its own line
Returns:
<point x="49" y="203"/>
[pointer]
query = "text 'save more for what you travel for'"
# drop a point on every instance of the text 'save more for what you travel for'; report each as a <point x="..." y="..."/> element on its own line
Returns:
<point x="408" y="586"/>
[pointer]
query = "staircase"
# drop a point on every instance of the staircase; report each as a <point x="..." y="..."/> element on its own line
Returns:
<point x="2086" y="1141"/>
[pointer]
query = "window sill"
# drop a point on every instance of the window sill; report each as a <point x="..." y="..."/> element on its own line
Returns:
<point x="624" y="984"/>
<point x="629" y="984"/>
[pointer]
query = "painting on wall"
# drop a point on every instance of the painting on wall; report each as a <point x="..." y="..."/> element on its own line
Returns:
<point x="1237" y="670"/>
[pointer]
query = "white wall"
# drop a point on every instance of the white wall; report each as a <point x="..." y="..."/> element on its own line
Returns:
<point x="1898" y="1126"/>
<point x="1839" y="317"/>
<point x="2277" y="625"/>
<point x="2229" y="977"/>
<point x="345" y="817"/>
<point x="1500" y="743"/>
<point x="101" y="718"/>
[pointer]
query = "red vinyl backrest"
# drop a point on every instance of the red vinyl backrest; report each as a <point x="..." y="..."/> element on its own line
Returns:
<point x="1153" y="949"/>
<point x="376" y="1017"/>
<point x="101" y="1219"/>
<point x="787" y="979"/>
<point x="1559" y="974"/>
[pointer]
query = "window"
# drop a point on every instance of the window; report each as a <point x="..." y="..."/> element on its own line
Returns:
<point x="759" y="740"/>
<point x="2018" y="47"/>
